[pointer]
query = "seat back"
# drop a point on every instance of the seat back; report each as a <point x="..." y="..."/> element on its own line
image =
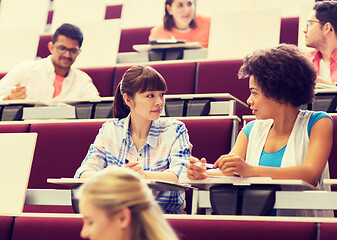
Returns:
<point x="52" y="228"/>
<point x="289" y="30"/>
<point x="103" y="79"/>
<point x="222" y="77"/>
<point x="210" y="137"/>
<point x="60" y="150"/>
<point x="198" y="229"/>
<point x="14" y="128"/>
<point x="180" y="77"/>
<point x="114" y="11"/>
<point x="42" y="50"/>
<point x="133" y="36"/>
<point x="2" y="75"/>
<point x="6" y="227"/>
<point x="327" y="231"/>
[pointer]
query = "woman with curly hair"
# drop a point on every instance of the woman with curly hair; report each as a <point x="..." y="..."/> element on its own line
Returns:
<point x="284" y="142"/>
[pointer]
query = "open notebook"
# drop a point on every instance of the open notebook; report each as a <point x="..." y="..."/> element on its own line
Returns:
<point x="16" y="156"/>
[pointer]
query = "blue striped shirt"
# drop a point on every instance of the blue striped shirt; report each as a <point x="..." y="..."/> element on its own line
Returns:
<point x="167" y="148"/>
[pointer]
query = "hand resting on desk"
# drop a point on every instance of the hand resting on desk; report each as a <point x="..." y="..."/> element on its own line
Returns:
<point x="226" y="165"/>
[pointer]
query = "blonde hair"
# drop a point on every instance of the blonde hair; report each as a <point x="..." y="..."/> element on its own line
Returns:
<point x="117" y="188"/>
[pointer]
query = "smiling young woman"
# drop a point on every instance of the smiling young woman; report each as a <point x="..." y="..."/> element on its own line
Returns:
<point x="182" y="23"/>
<point x="138" y="139"/>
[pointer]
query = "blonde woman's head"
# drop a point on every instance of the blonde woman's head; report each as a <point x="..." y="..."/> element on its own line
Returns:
<point x="117" y="204"/>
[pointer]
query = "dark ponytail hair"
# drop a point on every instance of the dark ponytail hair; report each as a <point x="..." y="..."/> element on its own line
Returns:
<point x="137" y="79"/>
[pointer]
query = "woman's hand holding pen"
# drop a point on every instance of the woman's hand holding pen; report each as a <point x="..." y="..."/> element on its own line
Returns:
<point x="135" y="167"/>
<point x="231" y="164"/>
<point x="196" y="171"/>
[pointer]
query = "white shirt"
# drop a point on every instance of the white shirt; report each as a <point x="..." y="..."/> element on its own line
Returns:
<point x="38" y="76"/>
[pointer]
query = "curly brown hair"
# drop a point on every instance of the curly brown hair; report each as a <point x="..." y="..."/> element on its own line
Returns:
<point x="284" y="74"/>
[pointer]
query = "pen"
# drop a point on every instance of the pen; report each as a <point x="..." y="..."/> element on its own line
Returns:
<point x="207" y="165"/>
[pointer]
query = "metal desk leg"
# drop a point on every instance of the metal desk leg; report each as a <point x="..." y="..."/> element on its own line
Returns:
<point x="195" y="201"/>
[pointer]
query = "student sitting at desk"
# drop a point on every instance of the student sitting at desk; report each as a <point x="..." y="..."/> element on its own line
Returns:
<point x="182" y="23"/>
<point x="284" y="142"/>
<point x="321" y="34"/>
<point x="117" y="204"/>
<point x="51" y="78"/>
<point x="138" y="139"/>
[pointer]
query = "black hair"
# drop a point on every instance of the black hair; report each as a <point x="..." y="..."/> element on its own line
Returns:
<point x="137" y="79"/>
<point x="70" y="31"/>
<point x="326" y="11"/>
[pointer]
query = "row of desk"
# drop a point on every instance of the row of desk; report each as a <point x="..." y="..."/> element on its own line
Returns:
<point x="176" y="106"/>
<point x="289" y="194"/>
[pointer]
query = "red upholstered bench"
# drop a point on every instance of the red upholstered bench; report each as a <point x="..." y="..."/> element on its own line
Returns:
<point x="2" y="75"/>
<point x="222" y="77"/>
<point x="113" y="12"/>
<point x="103" y="80"/>
<point x="42" y="50"/>
<point x="289" y="30"/>
<point x="14" y="128"/>
<point x="51" y="228"/>
<point x="210" y="137"/>
<point x="60" y="149"/>
<point x="132" y="36"/>
<point x="6" y="227"/>
<point x="180" y="77"/>
<point x="200" y="229"/>
<point x="328" y="231"/>
<point x="54" y="228"/>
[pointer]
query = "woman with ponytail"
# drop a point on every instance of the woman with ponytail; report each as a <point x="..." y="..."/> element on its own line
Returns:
<point x="117" y="204"/>
<point x="138" y="139"/>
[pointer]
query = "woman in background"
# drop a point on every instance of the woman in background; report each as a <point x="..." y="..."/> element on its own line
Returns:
<point x="118" y="205"/>
<point x="137" y="138"/>
<point x="182" y="23"/>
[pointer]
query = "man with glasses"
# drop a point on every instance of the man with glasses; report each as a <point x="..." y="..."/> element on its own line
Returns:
<point x="321" y="34"/>
<point x="52" y="78"/>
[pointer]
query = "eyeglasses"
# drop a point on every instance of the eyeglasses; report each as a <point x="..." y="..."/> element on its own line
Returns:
<point x="72" y="51"/>
<point x="309" y="22"/>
